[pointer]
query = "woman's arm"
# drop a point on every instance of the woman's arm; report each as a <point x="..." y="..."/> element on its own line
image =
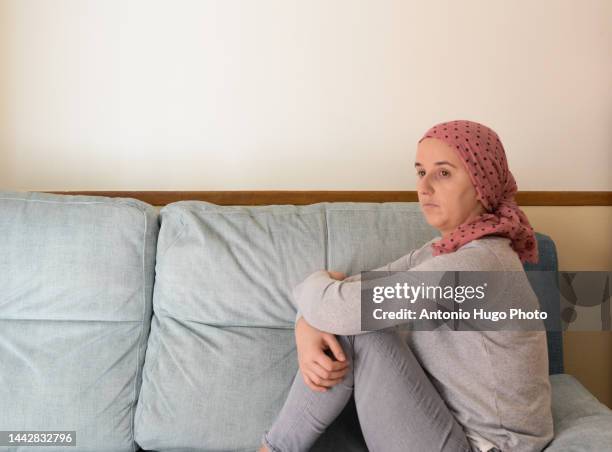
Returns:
<point x="401" y="264"/>
<point x="335" y="306"/>
<point x="316" y="284"/>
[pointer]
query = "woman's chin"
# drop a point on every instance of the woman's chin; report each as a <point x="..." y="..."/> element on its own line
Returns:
<point x="431" y="217"/>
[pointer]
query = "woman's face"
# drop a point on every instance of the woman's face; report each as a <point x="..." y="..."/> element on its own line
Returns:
<point x="446" y="194"/>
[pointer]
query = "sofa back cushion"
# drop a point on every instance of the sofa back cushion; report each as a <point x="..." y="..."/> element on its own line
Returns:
<point x="76" y="283"/>
<point x="221" y="355"/>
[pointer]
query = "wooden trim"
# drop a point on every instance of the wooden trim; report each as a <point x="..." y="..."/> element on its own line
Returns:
<point x="266" y="197"/>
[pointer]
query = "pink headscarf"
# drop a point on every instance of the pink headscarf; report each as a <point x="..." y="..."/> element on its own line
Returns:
<point x="484" y="157"/>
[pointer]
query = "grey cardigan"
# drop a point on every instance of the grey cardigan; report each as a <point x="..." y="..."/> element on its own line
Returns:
<point x="495" y="382"/>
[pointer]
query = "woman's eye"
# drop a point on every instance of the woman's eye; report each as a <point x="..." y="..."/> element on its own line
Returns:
<point x="444" y="173"/>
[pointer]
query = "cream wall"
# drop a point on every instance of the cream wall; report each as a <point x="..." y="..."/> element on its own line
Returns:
<point x="287" y="94"/>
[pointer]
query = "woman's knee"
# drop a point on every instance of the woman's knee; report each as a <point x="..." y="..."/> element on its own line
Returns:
<point x="384" y="348"/>
<point x="387" y="337"/>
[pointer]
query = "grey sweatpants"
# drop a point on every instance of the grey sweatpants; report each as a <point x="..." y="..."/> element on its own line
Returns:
<point x="398" y="407"/>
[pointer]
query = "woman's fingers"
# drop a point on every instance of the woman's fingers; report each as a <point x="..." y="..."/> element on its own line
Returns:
<point x="326" y="383"/>
<point x="310" y="384"/>
<point x="327" y="375"/>
<point x="337" y="275"/>
<point x="325" y="372"/>
<point x="321" y="383"/>
<point x="327" y="363"/>
<point x="335" y="346"/>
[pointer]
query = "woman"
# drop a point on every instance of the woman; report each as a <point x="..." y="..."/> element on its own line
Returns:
<point x="432" y="390"/>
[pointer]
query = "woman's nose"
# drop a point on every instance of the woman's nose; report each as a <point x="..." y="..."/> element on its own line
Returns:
<point x="424" y="186"/>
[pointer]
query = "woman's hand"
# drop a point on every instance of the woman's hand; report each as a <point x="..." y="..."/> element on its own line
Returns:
<point x="318" y="369"/>
<point x="337" y="275"/>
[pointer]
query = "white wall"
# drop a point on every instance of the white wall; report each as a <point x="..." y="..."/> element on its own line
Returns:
<point x="286" y="94"/>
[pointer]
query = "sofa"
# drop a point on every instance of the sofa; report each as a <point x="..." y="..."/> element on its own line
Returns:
<point x="173" y="329"/>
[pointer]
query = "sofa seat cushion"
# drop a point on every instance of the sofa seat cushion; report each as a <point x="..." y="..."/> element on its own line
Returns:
<point x="581" y="422"/>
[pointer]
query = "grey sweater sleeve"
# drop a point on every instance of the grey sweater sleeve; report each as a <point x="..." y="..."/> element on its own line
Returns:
<point x="401" y="264"/>
<point x="312" y="286"/>
<point x="335" y="306"/>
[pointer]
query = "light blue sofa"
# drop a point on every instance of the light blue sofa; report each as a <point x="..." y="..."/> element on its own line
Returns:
<point x="173" y="330"/>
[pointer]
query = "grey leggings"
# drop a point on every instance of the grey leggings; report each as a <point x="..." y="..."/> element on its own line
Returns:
<point x="397" y="405"/>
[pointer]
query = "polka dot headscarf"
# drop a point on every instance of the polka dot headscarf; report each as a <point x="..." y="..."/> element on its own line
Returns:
<point x="483" y="155"/>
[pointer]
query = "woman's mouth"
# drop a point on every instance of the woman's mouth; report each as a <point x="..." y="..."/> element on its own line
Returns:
<point x="430" y="205"/>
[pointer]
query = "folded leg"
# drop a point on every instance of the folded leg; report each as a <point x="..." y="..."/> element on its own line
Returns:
<point x="307" y="413"/>
<point x="398" y="407"/>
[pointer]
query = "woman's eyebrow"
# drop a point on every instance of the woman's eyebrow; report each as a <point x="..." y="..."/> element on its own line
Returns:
<point x="437" y="163"/>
